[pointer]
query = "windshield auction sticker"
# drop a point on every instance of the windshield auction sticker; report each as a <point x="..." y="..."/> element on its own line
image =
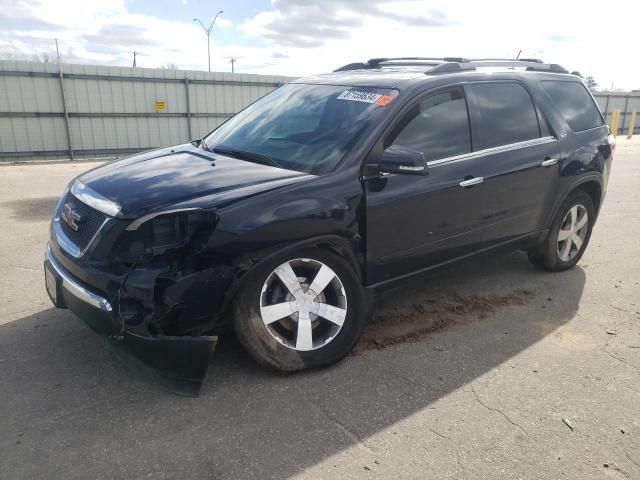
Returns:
<point x="359" y="96"/>
<point x="365" y="97"/>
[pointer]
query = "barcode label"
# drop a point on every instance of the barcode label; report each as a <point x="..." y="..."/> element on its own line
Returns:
<point x="359" y="96"/>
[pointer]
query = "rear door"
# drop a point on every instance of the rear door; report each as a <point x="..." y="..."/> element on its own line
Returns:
<point x="520" y="159"/>
<point x="413" y="222"/>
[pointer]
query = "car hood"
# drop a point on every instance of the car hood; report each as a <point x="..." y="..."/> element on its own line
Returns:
<point x="182" y="176"/>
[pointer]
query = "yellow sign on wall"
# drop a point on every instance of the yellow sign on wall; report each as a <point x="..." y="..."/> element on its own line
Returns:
<point x="160" y="105"/>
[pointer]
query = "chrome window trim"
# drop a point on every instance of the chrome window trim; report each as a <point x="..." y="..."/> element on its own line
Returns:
<point x="490" y="151"/>
<point x="67" y="244"/>
<point x="74" y="288"/>
<point x="92" y="198"/>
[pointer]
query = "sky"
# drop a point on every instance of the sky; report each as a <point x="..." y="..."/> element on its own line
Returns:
<point x="298" y="37"/>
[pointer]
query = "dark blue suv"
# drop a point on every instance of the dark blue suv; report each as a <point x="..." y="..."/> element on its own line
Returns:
<point x="287" y="219"/>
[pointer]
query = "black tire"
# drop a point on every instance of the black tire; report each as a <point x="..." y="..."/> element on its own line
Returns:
<point x="546" y="255"/>
<point x="261" y="344"/>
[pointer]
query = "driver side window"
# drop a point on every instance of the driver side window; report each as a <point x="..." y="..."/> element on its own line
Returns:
<point x="438" y="126"/>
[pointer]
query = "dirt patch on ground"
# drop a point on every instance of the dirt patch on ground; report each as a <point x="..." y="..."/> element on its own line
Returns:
<point x="414" y="321"/>
<point x="32" y="209"/>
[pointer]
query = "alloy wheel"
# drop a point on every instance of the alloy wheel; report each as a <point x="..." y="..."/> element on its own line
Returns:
<point x="573" y="231"/>
<point x="303" y="304"/>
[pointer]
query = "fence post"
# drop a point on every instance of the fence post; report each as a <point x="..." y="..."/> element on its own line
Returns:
<point x="186" y="91"/>
<point x="625" y="114"/>
<point x="64" y="104"/>
<point x="631" y="124"/>
<point x="615" y="118"/>
<point x="606" y="107"/>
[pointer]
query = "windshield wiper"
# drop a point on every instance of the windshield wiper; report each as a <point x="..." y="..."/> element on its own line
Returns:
<point x="245" y="155"/>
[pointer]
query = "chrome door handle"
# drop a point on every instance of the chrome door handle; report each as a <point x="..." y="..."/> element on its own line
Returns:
<point x="549" y="161"/>
<point x="471" y="182"/>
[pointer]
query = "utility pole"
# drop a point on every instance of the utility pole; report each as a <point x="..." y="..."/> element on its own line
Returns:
<point x="233" y="61"/>
<point x="135" y="54"/>
<point x="207" y="32"/>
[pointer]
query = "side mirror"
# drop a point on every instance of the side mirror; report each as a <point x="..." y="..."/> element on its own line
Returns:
<point x="397" y="159"/>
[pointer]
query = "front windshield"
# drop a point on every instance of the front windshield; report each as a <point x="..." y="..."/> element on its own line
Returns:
<point x="307" y="128"/>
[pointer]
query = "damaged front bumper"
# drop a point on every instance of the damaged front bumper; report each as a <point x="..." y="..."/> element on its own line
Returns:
<point x="180" y="362"/>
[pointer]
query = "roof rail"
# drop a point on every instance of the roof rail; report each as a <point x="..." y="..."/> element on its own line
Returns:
<point x="457" y="64"/>
<point x="528" y="65"/>
<point x="533" y="60"/>
<point x="404" y="61"/>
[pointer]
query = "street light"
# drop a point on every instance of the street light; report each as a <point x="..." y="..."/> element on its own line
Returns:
<point x="208" y="32"/>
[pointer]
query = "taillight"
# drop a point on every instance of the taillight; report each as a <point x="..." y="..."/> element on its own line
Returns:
<point x="612" y="143"/>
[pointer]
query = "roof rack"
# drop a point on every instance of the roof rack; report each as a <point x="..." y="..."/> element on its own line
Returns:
<point x="528" y="64"/>
<point x="533" y="60"/>
<point x="399" y="61"/>
<point x="456" y="64"/>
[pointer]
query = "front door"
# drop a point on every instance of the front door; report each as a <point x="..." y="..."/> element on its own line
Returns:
<point x="413" y="222"/>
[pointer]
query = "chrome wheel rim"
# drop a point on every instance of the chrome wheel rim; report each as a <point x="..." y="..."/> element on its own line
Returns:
<point x="303" y="304"/>
<point x="573" y="231"/>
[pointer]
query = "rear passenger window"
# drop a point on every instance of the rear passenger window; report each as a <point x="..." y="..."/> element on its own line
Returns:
<point x="507" y="115"/>
<point x="575" y="104"/>
<point x="438" y="126"/>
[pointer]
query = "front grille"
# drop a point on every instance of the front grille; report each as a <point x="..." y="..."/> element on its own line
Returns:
<point x="90" y="222"/>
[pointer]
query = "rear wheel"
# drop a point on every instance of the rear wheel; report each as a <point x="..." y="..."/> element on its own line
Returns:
<point x="300" y="311"/>
<point x="569" y="234"/>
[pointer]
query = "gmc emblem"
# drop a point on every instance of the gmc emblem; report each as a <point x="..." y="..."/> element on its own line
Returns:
<point x="70" y="216"/>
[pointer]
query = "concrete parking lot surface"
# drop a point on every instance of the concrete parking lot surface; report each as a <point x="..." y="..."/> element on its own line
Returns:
<point x="492" y="369"/>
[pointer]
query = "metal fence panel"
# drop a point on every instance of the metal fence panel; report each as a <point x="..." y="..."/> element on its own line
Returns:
<point x="39" y="134"/>
<point x="114" y="110"/>
<point x="625" y="102"/>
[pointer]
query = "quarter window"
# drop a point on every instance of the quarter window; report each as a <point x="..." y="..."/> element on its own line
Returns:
<point x="575" y="104"/>
<point x="438" y="126"/>
<point x="506" y="115"/>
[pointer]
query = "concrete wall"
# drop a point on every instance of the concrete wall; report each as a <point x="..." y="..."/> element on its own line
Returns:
<point x="112" y="110"/>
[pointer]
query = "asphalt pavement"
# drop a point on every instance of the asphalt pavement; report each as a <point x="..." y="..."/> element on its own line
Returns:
<point x="492" y="370"/>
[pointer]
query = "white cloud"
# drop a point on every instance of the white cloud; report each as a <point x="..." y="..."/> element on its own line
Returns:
<point x="297" y="37"/>
<point x="570" y="33"/>
<point x="222" y="22"/>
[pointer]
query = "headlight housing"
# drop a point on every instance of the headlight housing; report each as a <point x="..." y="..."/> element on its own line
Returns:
<point x="164" y="232"/>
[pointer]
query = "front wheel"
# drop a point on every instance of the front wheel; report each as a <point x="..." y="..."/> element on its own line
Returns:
<point x="300" y="311"/>
<point x="568" y="236"/>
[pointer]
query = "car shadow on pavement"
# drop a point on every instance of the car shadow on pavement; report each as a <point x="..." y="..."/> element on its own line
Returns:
<point x="69" y="403"/>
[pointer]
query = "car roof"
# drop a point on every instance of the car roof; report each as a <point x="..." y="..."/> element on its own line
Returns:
<point x="392" y="73"/>
<point x="379" y="77"/>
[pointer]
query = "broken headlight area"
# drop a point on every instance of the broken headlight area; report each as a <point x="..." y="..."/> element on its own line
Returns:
<point x="169" y="295"/>
<point x="171" y="284"/>
<point x="163" y="233"/>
